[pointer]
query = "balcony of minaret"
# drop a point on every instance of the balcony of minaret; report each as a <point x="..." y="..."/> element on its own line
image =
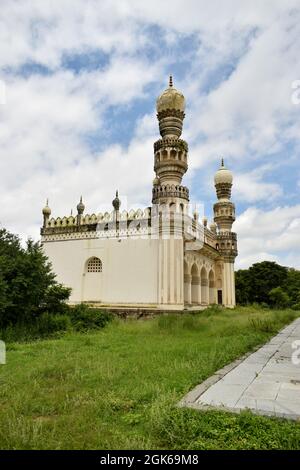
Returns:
<point x="224" y="215"/>
<point x="168" y="193"/>
<point x="170" y="160"/>
<point x="227" y="245"/>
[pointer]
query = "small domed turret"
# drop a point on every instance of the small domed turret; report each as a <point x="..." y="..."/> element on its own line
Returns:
<point x="170" y="99"/>
<point x="47" y="210"/>
<point x="80" y="207"/>
<point x="116" y="202"/>
<point x="156" y="181"/>
<point x="213" y="227"/>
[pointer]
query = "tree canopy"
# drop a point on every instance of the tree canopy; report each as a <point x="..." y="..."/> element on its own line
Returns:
<point x="268" y="282"/>
<point x="27" y="284"/>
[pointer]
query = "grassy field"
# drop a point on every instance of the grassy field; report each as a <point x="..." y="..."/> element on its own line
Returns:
<point x="117" y="388"/>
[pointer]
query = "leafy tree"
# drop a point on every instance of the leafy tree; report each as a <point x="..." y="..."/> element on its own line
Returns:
<point x="254" y="284"/>
<point x="27" y="284"/>
<point x="264" y="277"/>
<point x="292" y="285"/>
<point x="243" y="286"/>
<point x="279" y="298"/>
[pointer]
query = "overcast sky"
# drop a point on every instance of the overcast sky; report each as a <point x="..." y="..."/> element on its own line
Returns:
<point x="81" y="79"/>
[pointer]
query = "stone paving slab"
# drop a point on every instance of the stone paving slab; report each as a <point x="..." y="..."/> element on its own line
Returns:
<point x="265" y="382"/>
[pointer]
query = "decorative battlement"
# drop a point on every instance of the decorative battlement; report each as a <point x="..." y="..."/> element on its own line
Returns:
<point x="161" y="192"/>
<point x="171" y="142"/>
<point x="87" y="220"/>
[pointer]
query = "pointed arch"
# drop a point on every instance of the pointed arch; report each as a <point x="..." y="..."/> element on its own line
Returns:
<point x="212" y="287"/>
<point x="187" y="283"/>
<point x="195" y="280"/>
<point x="204" y="286"/>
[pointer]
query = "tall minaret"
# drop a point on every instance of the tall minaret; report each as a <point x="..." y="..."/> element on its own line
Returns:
<point x="170" y="152"/>
<point x="170" y="164"/>
<point x="224" y="216"/>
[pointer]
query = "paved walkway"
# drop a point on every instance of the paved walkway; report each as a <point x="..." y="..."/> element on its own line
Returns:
<point x="266" y="382"/>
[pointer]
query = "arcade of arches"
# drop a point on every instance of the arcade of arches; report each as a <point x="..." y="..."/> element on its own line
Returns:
<point x="202" y="284"/>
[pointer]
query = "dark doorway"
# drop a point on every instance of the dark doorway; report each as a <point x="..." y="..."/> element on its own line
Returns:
<point x="220" y="299"/>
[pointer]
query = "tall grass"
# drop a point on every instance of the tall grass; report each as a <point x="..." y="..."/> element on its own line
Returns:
<point x="118" y="387"/>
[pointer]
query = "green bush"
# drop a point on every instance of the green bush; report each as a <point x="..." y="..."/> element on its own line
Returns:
<point x="48" y="323"/>
<point x="296" y="306"/>
<point x="85" y="318"/>
<point x="264" y="305"/>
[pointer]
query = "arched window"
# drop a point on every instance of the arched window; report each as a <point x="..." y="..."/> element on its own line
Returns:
<point x="94" y="265"/>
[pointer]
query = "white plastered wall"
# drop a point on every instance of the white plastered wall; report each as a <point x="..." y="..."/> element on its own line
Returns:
<point x="129" y="270"/>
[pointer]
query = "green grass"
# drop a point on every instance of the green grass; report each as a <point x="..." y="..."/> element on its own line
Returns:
<point x="117" y="388"/>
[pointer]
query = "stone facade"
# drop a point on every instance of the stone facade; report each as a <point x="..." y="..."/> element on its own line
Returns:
<point x="160" y="258"/>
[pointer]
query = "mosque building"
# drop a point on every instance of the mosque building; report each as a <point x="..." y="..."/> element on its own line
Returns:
<point x="159" y="258"/>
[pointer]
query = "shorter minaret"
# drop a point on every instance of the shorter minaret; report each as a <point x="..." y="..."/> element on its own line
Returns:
<point x="224" y="216"/>
<point x="224" y="210"/>
<point x="46" y="213"/>
<point x="80" y="210"/>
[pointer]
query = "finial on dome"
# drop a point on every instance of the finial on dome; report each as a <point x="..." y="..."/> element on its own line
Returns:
<point x="170" y="81"/>
<point x="222" y="162"/>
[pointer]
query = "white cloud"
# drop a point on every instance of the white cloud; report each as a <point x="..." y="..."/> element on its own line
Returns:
<point x="272" y="234"/>
<point x="250" y="187"/>
<point x="245" y="52"/>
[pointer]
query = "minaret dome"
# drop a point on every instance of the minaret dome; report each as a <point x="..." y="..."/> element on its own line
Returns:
<point x="223" y="175"/>
<point x="47" y="210"/>
<point x="171" y="98"/>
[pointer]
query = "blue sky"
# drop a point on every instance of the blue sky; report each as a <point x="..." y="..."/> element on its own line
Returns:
<point x="81" y="79"/>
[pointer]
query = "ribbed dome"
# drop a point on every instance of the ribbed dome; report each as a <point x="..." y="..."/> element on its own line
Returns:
<point x="170" y="99"/>
<point x="223" y="175"/>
